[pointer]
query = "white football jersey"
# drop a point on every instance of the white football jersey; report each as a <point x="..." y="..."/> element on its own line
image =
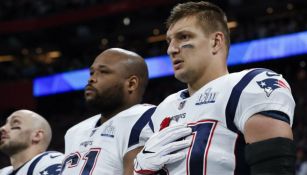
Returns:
<point x="99" y="150"/>
<point x="6" y="170"/>
<point x="217" y="113"/>
<point x="46" y="163"/>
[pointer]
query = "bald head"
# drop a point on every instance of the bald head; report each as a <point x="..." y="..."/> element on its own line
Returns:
<point x="132" y="64"/>
<point x="35" y="122"/>
<point x="117" y="81"/>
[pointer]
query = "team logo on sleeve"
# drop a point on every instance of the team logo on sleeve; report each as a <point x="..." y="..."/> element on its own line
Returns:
<point x="270" y="84"/>
<point x="52" y="170"/>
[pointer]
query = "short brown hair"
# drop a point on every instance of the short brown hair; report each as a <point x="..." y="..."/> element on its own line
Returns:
<point x="211" y="17"/>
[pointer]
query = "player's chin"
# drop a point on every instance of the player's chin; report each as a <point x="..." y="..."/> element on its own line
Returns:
<point x="180" y="75"/>
<point x="177" y="73"/>
<point x="89" y="98"/>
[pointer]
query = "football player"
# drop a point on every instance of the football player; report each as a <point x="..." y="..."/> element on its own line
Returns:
<point x="107" y="143"/>
<point x="239" y="123"/>
<point x="25" y="138"/>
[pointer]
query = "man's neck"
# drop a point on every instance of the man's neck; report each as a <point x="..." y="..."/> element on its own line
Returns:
<point x="207" y="77"/>
<point x="107" y="115"/>
<point x="20" y="158"/>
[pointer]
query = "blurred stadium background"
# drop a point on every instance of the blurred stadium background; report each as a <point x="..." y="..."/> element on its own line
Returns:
<point x="43" y="38"/>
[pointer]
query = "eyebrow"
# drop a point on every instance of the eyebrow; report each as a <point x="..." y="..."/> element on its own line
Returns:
<point x="182" y="31"/>
<point x="179" y="33"/>
<point x="14" y="118"/>
<point x="103" y="66"/>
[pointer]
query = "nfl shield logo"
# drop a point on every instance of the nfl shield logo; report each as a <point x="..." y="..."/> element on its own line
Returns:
<point x="181" y="105"/>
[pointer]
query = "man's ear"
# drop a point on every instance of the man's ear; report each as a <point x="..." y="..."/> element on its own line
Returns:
<point x="37" y="136"/>
<point x="132" y="83"/>
<point x="217" y="42"/>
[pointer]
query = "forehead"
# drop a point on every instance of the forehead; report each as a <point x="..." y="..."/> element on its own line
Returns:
<point x="16" y="116"/>
<point x="107" y="59"/>
<point x="189" y="23"/>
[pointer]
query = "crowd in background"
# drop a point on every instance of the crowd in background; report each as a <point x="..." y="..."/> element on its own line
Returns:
<point x="28" y="9"/>
<point x="78" y="43"/>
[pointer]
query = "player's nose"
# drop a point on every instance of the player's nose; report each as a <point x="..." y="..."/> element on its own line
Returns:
<point x="173" y="48"/>
<point x="2" y="131"/>
<point x="92" y="79"/>
<point x="5" y="127"/>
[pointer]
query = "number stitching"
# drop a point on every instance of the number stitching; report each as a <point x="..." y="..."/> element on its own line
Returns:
<point x="90" y="159"/>
<point x="201" y="141"/>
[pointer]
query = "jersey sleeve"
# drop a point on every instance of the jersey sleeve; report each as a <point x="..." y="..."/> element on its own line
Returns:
<point x="50" y="163"/>
<point x="146" y="133"/>
<point x="140" y="131"/>
<point x="6" y="171"/>
<point x="266" y="92"/>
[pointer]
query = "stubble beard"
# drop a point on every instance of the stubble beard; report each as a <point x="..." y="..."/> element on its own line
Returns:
<point x="108" y="100"/>
<point x="13" y="147"/>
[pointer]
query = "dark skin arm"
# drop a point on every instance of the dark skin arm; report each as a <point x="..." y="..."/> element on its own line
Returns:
<point x="128" y="160"/>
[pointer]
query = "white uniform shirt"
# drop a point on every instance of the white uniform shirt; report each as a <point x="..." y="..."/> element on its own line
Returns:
<point x="6" y="170"/>
<point x="100" y="150"/>
<point x="302" y="169"/>
<point x="217" y="114"/>
<point x="46" y="163"/>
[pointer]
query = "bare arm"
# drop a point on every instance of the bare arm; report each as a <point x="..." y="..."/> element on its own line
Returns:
<point x="128" y="160"/>
<point x="270" y="148"/>
<point x="260" y="127"/>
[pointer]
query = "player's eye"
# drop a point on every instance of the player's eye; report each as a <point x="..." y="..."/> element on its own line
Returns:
<point x="184" y="37"/>
<point x="102" y="71"/>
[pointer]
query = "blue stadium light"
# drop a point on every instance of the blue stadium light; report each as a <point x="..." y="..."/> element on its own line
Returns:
<point x="60" y="83"/>
<point x="242" y="53"/>
<point x="160" y="66"/>
<point x="268" y="49"/>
